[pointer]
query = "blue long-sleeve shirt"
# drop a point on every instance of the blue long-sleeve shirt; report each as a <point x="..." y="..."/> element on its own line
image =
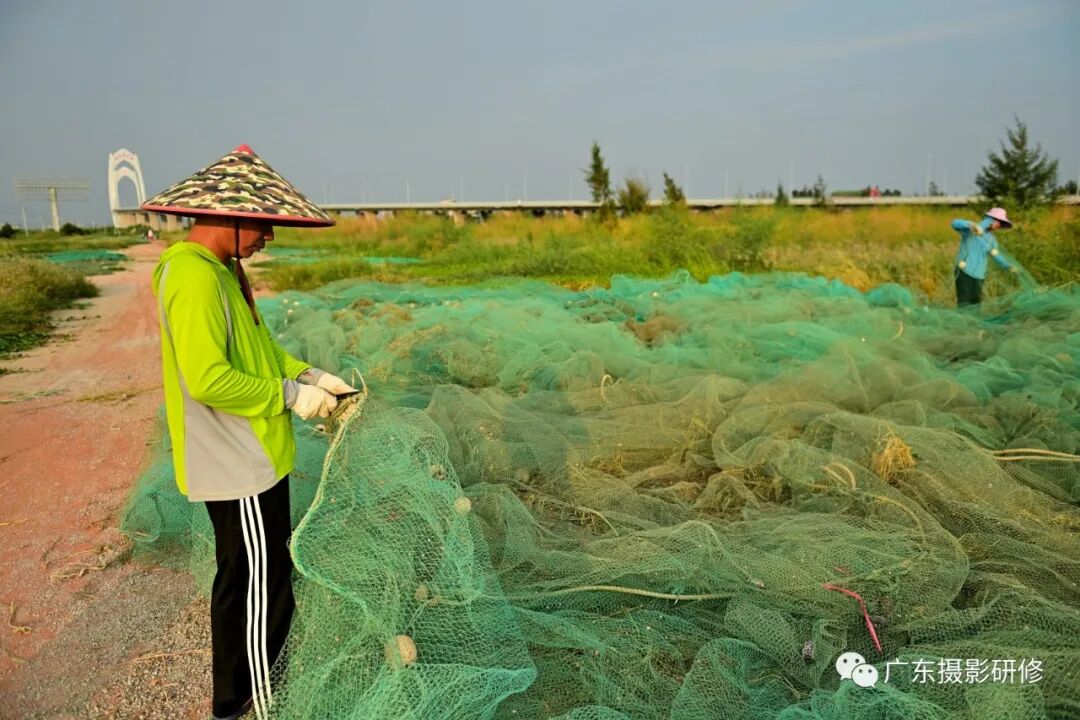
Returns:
<point x="971" y="257"/>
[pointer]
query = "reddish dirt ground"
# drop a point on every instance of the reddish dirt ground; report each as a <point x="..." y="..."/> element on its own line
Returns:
<point x="77" y="420"/>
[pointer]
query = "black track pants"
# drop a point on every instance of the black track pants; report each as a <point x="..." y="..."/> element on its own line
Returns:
<point x="252" y="601"/>
<point x="968" y="289"/>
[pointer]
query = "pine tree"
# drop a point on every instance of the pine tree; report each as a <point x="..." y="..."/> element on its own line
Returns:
<point x="781" y="196"/>
<point x="1020" y="175"/>
<point x="673" y="194"/>
<point x="598" y="178"/>
<point x="820" y="191"/>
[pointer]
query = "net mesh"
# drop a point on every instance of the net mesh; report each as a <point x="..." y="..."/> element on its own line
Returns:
<point x="647" y="501"/>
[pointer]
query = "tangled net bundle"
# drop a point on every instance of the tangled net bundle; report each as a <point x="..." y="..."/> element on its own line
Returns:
<point x="639" y="502"/>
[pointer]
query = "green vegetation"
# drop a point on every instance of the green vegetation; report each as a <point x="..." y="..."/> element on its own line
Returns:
<point x="781" y="196"/>
<point x="634" y="196"/>
<point x="90" y="254"/>
<point x="1020" y="176"/>
<point x="673" y="194"/>
<point x="29" y="290"/>
<point x="45" y="272"/>
<point x="1047" y="245"/>
<point x="598" y="178"/>
<point x="41" y="242"/>
<point x="863" y="247"/>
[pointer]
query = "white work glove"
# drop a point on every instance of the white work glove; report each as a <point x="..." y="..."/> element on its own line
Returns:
<point x="334" y="385"/>
<point x="976" y="228"/>
<point x="311" y="401"/>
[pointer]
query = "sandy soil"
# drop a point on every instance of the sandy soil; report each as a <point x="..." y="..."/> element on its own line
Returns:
<point x="90" y="634"/>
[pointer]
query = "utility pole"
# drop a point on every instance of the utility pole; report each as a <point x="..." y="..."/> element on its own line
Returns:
<point x="25" y="227"/>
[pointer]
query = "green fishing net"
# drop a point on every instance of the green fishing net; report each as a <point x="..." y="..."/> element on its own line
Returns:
<point x="670" y="499"/>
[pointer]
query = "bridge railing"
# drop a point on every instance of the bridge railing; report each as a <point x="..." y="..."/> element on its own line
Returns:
<point x="586" y="206"/>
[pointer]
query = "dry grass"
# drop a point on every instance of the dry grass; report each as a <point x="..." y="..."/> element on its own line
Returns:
<point x="15" y="628"/>
<point x="115" y="397"/>
<point x="99" y="558"/>
<point x="892" y="457"/>
<point x="863" y="247"/>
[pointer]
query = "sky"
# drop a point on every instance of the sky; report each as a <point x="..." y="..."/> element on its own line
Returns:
<point x="494" y="100"/>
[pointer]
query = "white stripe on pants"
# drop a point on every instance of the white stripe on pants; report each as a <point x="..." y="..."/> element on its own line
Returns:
<point x="255" y="545"/>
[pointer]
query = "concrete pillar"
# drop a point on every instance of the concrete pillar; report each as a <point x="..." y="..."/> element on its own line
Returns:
<point x="55" y="209"/>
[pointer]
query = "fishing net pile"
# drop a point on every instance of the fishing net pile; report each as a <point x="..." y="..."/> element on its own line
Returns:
<point x="670" y="499"/>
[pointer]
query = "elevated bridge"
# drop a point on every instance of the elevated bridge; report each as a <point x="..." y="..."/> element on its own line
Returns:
<point x="126" y="217"/>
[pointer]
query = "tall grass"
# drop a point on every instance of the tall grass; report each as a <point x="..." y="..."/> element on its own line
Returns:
<point x="31" y="287"/>
<point x="864" y="247"/>
<point x="29" y="290"/>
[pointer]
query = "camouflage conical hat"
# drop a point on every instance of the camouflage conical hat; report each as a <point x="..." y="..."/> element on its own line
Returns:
<point x="239" y="185"/>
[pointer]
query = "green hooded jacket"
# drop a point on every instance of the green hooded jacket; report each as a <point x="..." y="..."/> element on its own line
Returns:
<point x="231" y="434"/>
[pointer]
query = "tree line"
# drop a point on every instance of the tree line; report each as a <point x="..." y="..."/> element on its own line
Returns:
<point x="1019" y="176"/>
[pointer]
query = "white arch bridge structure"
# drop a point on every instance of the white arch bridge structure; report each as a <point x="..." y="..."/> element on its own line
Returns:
<point x="124" y="165"/>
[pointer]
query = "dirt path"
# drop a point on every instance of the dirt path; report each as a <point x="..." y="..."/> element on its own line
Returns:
<point x="76" y="423"/>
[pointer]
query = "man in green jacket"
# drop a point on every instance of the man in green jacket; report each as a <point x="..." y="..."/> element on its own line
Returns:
<point x="229" y="388"/>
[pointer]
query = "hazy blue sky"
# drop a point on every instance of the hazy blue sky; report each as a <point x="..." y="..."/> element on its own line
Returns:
<point x="346" y="98"/>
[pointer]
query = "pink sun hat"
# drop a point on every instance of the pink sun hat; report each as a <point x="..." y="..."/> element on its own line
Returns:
<point x="999" y="215"/>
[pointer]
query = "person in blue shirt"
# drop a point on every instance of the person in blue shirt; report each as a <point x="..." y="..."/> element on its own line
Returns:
<point x="977" y="241"/>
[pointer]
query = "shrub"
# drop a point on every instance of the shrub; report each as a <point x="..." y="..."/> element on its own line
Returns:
<point x="29" y="290"/>
<point x="634" y="196"/>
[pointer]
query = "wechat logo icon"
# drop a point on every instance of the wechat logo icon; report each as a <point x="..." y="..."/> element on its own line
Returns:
<point x="853" y="666"/>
